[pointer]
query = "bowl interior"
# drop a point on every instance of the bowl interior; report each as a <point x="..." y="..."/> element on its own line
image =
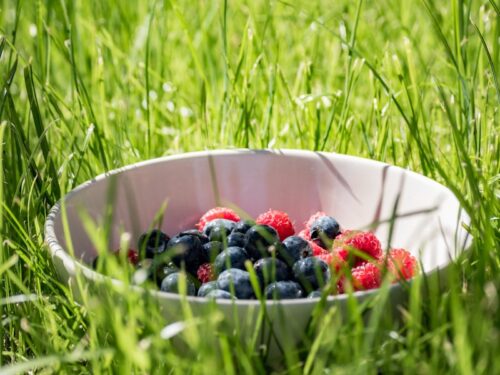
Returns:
<point x="423" y="216"/>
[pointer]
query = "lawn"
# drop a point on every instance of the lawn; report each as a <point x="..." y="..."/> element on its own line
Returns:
<point x="89" y="86"/>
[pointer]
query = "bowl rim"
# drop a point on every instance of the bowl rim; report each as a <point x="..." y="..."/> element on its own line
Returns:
<point x="74" y="266"/>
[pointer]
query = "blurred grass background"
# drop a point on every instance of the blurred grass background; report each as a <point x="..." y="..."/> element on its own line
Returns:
<point x="88" y="86"/>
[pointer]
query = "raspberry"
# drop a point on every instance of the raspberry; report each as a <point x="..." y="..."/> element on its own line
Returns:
<point x="325" y="257"/>
<point x="365" y="276"/>
<point x="342" y="253"/>
<point x="334" y="261"/>
<point x="279" y="220"/>
<point x="205" y="273"/>
<point x="217" y="213"/>
<point x="340" y="240"/>
<point x="364" y="242"/>
<point x="305" y="234"/>
<point x="313" y="218"/>
<point x="401" y="264"/>
<point x="317" y="250"/>
<point x="133" y="256"/>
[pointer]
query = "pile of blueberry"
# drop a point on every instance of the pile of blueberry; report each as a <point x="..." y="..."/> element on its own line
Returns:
<point x="229" y="258"/>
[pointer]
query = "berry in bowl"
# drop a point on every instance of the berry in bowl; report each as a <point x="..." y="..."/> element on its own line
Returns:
<point x="247" y="230"/>
<point x="218" y="257"/>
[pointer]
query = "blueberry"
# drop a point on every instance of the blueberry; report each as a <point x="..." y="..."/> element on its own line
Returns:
<point x="283" y="290"/>
<point x="154" y="271"/>
<point x="152" y="243"/>
<point x="243" y="226"/>
<point x="172" y="283"/>
<point x="312" y="273"/>
<point x="186" y="251"/>
<point x="232" y="257"/>
<point x="161" y="271"/>
<point x="269" y="270"/>
<point x="236" y="239"/>
<point x="210" y="250"/>
<point x="194" y="232"/>
<point x="295" y="248"/>
<point x="221" y="227"/>
<point x="219" y="294"/>
<point x="236" y="281"/>
<point x="207" y="288"/>
<point x="314" y="294"/>
<point x="219" y="234"/>
<point x="324" y="230"/>
<point x="260" y="241"/>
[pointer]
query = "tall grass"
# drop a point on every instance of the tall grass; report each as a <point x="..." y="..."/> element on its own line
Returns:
<point x="87" y="86"/>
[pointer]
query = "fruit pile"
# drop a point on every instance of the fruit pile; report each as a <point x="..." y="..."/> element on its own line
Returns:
<point x="225" y="257"/>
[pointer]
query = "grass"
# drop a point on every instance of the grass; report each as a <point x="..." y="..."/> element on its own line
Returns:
<point x="89" y="86"/>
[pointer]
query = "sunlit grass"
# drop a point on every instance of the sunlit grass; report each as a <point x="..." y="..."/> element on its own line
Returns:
<point x="89" y="86"/>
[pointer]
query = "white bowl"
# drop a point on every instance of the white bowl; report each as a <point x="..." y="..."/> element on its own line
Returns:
<point x="358" y="192"/>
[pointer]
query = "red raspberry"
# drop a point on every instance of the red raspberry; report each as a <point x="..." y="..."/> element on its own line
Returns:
<point x="279" y="220"/>
<point x="344" y="236"/>
<point x="325" y="257"/>
<point x="217" y="213"/>
<point x="334" y="261"/>
<point x="364" y="242"/>
<point x="132" y="256"/>
<point x="342" y="253"/>
<point x="317" y="250"/>
<point x="401" y="264"/>
<point x="313" y="218"/>
<point x="205" y="273"/>
<point x="365" y="276"/>
<point x="304" y="233"/>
